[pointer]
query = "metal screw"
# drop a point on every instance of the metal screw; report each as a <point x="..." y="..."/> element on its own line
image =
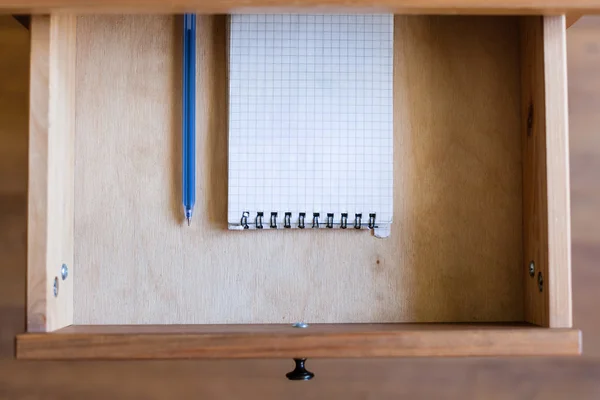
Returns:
<point x="540" y="281"/>
<point x="55" y="286"/>
<point x="532" y="269"/>
<point x="64" y="271"/>
<point x="300" y="325"/>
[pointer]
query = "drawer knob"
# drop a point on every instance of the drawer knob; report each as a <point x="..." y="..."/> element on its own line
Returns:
<point x="300" y="373"/>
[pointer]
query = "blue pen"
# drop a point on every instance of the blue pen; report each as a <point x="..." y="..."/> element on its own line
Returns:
<point x="189" y="115"/>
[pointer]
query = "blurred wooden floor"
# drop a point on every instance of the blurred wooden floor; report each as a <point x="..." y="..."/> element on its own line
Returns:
<point x="544" y="378"/>
<point x="583" y="48"/>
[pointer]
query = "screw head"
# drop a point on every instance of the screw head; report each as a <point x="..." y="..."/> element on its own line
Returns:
<point x="55" y="286"/>
<point x="540" y="281"/>
<point x="532" y="269"/>
<point x="64" y="271"/>
<point x="300" y="325"/>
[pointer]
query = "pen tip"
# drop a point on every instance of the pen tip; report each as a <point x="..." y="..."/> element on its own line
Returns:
<point x="189" y="220"/>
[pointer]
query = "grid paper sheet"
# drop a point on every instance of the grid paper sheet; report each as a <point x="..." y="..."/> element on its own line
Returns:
<point x="310" y="118"/>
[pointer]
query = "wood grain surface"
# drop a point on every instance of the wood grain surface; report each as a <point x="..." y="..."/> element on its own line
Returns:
<point x="455" y="250"/>
<point x="14" y="117"/>
<point x="229" y="6"/>
<point x="558" y="281"/>
<point x="317" y="329"/>
<point x="502" y="378"/>
<point x="554" y="379"/>
<point x="52" y="136"/>
<point x="330" y="341"/>
<point x="546" y="209"/>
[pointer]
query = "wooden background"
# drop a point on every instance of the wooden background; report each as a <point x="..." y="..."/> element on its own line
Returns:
<point x="128" y="218"/>
<point x="378" y="379"/>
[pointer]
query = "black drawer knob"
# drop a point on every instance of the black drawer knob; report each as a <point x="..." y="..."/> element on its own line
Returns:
<point x="300" y="373"/>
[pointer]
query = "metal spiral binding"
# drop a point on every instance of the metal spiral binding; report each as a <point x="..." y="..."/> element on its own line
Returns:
<point x="315" y="223"/>
<point x="287" y="220"/>
<point x="244" y="220"/>
<point x="329" y="220"/>
<point x="301" y="220"/>
<point x="372" y="221"/>
<point x="357" y="221"/>
<point x="273" y="221"/>
<point x="344" y="221"/>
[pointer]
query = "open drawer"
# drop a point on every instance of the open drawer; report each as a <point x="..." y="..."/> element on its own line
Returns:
<point x="477" y="264"/>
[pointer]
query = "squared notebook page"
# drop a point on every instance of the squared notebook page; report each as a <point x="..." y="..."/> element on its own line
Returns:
<point x="310" y="118"/>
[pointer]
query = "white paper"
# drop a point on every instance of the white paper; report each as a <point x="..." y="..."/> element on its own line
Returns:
<point x="310" y="118"/>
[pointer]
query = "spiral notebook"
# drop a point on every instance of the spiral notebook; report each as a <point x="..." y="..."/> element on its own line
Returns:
<point x="311" y="122"/>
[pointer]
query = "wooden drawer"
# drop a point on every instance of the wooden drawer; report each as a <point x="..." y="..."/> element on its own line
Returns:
<point x="477" y="264"/>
